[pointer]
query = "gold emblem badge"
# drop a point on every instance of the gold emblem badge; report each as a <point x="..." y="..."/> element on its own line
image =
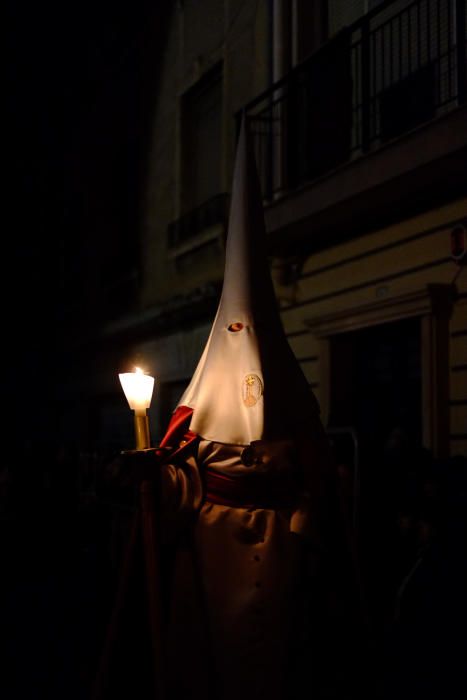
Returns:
<point x="252" y="390"/>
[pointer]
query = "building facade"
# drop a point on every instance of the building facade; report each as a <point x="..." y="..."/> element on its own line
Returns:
<point x="358" y="113"/>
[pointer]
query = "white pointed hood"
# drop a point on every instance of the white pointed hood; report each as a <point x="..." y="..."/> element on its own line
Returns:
<point x="248" y="385"/>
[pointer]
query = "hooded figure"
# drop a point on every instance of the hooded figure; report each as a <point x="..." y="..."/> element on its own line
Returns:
<point x="248" y="385"/>
<point x="248" y="471"/>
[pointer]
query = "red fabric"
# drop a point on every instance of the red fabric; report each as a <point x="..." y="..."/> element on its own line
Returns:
<point x="250" y="491"/>
<point x="178" y="426"/>
<point x="179" y="438"/>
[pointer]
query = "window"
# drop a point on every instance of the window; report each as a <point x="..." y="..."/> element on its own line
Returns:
<point x="202" y="141"/>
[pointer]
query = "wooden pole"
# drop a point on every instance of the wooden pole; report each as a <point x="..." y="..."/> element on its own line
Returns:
<point x="145" y="528"/>
<point x="101" y="681"/>
<point x="151" y="544"/>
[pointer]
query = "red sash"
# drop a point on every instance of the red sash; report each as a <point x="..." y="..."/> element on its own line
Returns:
<point x="255" y="490"/>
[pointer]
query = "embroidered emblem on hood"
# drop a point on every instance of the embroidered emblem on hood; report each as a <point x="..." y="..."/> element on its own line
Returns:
<point x="252" y="390"/>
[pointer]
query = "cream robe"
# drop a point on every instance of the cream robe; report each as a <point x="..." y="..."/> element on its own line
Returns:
<point x="249" y="576"/>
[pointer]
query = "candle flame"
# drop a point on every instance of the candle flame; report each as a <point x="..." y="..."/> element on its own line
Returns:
<point x="138" y="388"/>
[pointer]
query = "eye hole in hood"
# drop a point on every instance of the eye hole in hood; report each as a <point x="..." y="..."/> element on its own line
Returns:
<point x="235" y="327"/>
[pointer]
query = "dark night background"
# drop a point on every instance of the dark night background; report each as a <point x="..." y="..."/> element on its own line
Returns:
<point x="78" y="110"/>
<point x="80" y="86"/>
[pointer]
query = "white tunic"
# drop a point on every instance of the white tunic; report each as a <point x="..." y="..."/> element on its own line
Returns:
<point x="248" y="566"/>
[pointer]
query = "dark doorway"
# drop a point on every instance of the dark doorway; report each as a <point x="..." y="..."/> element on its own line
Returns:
<point x="376" y="390"/>
<point x="376" y="382"/>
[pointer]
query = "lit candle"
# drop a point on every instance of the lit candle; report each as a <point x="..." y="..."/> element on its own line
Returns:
<point x="138" y="388"/>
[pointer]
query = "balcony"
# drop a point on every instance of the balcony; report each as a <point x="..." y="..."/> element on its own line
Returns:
<point x="379" y="109"/>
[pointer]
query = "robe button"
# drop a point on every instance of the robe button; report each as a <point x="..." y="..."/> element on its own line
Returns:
<point x="182" y="442"/>
<point x="248" y="456"/>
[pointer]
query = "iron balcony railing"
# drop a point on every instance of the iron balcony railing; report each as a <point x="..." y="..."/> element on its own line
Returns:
<point x="398" y="66"/>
